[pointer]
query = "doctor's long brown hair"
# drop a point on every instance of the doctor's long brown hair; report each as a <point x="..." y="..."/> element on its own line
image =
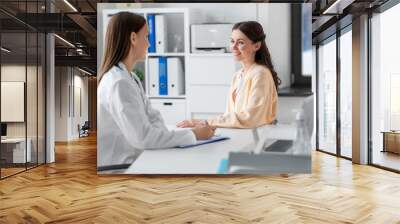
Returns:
<point x="254" y="31"/>
<point x="117" y="39"/>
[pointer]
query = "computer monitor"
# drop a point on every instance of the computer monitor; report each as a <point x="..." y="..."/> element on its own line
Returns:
<point x="3" y="129"/>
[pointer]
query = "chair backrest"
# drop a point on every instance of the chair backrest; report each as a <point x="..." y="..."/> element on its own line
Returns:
<point x="86" y="125"/>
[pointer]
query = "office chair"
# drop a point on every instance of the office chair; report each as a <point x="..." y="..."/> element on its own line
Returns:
<point x="84" y="130"/>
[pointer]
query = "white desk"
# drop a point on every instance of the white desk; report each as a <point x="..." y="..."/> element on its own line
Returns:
<point x="18" y="150"/>
<point x="203" y="159"/>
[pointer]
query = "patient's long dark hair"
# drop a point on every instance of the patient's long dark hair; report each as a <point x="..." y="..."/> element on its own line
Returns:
<point x="254" y="31"/>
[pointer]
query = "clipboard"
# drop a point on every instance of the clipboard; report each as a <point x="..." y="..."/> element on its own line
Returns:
<point x="215" y="138"/>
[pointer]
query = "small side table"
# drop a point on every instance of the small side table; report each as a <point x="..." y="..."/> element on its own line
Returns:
<point x="391" y="141"/>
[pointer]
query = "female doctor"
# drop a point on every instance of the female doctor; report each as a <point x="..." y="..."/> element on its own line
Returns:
<point x="252" y="99"/>
<point x="127" y="124"/>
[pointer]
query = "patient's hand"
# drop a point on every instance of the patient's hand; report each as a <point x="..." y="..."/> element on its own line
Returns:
<point x="190" y="123"/>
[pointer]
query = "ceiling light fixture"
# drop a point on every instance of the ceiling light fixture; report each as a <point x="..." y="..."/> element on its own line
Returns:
<point x="84" y="71"/>
<point x="5" y="50"/>
<point x="65" y="41"/>
<point x="70" y="5"/>
<point x="337" y="7"/>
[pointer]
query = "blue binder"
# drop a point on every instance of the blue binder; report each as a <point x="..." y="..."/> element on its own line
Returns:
<point x="163" y="76"/>
<point x="152" y="33"/>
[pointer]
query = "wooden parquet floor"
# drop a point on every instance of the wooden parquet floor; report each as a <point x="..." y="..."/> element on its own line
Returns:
<point x="70" y="191"/>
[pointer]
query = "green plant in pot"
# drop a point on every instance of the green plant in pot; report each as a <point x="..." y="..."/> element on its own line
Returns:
<point x="139" y="73"/>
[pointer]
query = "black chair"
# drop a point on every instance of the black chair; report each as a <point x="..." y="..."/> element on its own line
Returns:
<point x="84" y="130"/>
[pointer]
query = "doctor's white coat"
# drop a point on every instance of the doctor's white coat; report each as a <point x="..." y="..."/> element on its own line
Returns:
<point x="126" y="122"/>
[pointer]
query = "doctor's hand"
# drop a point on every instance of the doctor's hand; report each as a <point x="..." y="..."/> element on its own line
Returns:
<point x="203" y="132"/>
<point x="190" y="123"/>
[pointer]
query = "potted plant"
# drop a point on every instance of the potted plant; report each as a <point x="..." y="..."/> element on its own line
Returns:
<point x="140" y="74"/>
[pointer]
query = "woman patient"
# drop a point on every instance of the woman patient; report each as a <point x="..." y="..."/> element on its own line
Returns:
<point x="252" y="99"/>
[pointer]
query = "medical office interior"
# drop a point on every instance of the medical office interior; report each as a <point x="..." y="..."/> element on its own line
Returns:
<point x="195" y="43"/>
<point x="49" y="63"/>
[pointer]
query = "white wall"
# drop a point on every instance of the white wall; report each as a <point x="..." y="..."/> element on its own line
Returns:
<point x="16" y="72"/>
<point x="80" y="82"/>
<point x="275" y="19"/>
<point x="50" y="95"/>
<point x="61" y="103"/>
<point x="68" y="82"/>
<point x="33" y="126"/>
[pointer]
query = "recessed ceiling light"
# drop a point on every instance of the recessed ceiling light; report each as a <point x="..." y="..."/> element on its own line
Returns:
<point x="84" y="71"/>
<point x="337" y="7"/>
<point x="5" y="50"/>
<point x="64" y="40"/>
<point x="70" y="5"/>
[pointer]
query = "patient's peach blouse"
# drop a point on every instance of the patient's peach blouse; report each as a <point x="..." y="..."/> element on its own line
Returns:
<point x="254" y="104"/>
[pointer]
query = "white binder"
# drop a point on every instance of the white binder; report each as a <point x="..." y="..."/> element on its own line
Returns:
<point x="161" y="33"/>
<point x="175" y="77"/>
<point x="153" y="76"/>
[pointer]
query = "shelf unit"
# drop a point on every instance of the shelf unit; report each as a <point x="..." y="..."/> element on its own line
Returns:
<point x="177" y="21"/>
<point x="172" y="107"/>
<point x="177" y="24"/>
